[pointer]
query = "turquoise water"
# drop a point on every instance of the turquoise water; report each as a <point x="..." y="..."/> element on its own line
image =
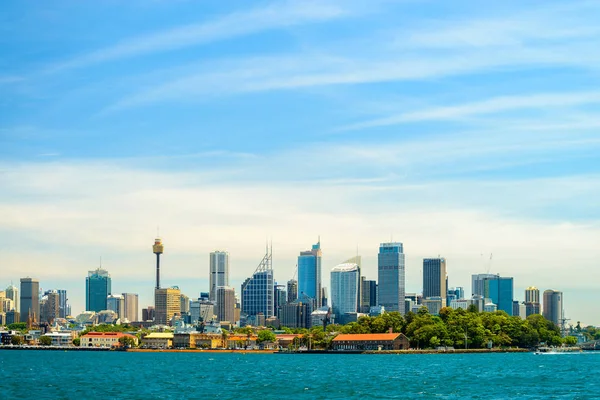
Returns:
<point x="115" y="375"/>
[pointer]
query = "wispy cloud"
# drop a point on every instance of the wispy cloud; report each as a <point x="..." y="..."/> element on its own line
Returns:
<point x="272" y="16"/>
<point x="541" y="101"/>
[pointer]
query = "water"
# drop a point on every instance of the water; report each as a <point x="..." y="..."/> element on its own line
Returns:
<point x="116" y="375"/>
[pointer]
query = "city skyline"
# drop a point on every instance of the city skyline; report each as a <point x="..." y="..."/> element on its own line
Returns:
<point x="456" y="129"/>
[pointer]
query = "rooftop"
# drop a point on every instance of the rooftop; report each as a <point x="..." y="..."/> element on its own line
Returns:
<point x="366" y="336"/>
<point x="346" y="267"/>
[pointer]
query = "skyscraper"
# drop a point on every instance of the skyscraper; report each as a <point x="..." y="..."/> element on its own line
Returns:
<point x="116" y="303"/>
<point x="553" y="306"/>
<point x="390" y="275"/>
<point x="500" y="291"/>
<point x="477" y="283"/>
<point x="532" y="301"/>
<point x="131" y="306"/>
<point x="97" y="290"/>
<point x="167" y="303"/>
<point x="219" y="272"/>
<point x="30" y="299"/>
<point x="258" y="292"/>
<point x="434" y="279"/>
<point x="62" y="303"/>
<point x="12" y="292"/>
<point x="292" y="290"/>
<point x="368" y="294"/>
<point x="50" y="310"/>
<point x="280" y="297"/>
<point x="309" y="273"/>
<point x="345" y="288"/>
<point x="225" y="304"/>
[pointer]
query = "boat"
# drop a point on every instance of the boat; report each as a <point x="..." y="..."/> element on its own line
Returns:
<point x="557" y="350"/>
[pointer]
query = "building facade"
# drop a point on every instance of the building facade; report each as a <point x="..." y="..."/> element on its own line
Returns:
<point x="12" y="292"/>
<point x="167" y="303"/>
<point x="370" y="341"/>
<point x="116" y="303"/>
<point x="309" y="273"/>
<point x="131" y="307"/>
<point x="391" y="276"/>
<point x="477" y="282"/>
<point x="553" y="306"/>
<point x="219" y="272"/>
<point x="435" y="278"/>
<point x="97" y="289"/>
<point x="225" y="304"/>
<point x="345" y="288"/>
<point x="30" y="299"/>
<point x="292" y="290"/>
<point x="532" y="301"/>
<point x="258" y="293"/>
<point x="500" y="291"/>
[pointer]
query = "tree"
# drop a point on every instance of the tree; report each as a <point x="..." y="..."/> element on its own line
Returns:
<point x="16" y="340"/>
<point x="77" y="342"/>
<point x="127" y="341"/>
<point x="45" y="340"/>
<point x="17" y="326"/>
<point x="570" y="340"/>
<point x="266" y="335"/>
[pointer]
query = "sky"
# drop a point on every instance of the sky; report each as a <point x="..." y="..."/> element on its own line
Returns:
<point x="462" y="129"/>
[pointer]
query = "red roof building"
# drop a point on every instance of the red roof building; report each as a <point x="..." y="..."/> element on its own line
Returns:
<point x="370" y="341"/>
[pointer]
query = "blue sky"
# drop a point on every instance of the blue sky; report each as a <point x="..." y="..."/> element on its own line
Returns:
<point x="456" y="128"/>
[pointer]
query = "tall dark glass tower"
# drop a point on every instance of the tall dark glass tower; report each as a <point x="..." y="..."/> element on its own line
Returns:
<point x="97" y="289"/>
<point x="391" y="276"/>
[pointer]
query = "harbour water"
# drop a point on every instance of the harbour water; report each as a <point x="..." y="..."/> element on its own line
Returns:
<point x="117" y="375"/>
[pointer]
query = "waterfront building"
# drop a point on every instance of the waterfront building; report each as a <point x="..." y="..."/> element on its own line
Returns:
<point x="167" y="303"/>
<point x="553" y="306"/>
<point x="197" y="340"/>
<point x="12" y="292"/>
<point x="218" y="273"/>
<point x="61" y="338"/>
<point x="97" y="289"/>
<point x="370" y="341"/>
<point x="225" y="304"/>
<point x="30" y="299"/>
<point x="345" y="286"/>
<point x="158" y="340"/>
<point x="391" y="276"/>
<point x="532" y="301"/>
<point x="103" y="339"/>
<point x="258" y="292"/>
<point x="292" y="290"/>
<point x="500" y="291"/>
<point x="309" y="273"/>
<point x="435" y="278"/>
<point x="131" y="307"/>
<point x="116" y="303"/>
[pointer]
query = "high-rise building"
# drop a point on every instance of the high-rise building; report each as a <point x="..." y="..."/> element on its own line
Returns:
<point x="97" y="289"/>
<point x="477" y="283"/>
<point x="391" y="275"/>
<point x="219" y="272"/>
<point x="116" y="303"/>
<point x="435" y="278"/>
<point x="30" y="299"/>
<point x="185" y="304"/>
<point x="258" y="292"/>
<point x="148" y="314"/>
<point x="130" y="302"/>
<point x="345" y="288"/>
<point x="167" y="303"/>
<point x="50" y="308"/>
<point x="158" y="248"/>
<point x="292" y="290"/>
<point x="63" y="306"/>
<point x="309" y="273"/>
<point x="12" y="292"/>
<point x="225" y="304"/>
<point x="500" y="291"/>
<point x="532" y="301"/>
<point x="280" y="298"/>
<point x="553" y="306"/>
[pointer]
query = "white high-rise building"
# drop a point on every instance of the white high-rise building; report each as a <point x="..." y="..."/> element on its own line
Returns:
<point x="131" y="307"/>
<point x="116" y="303"/>
<point x="219" y="272"/>
<point x="345" y="288"/>
<point x="12" y="292"/>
